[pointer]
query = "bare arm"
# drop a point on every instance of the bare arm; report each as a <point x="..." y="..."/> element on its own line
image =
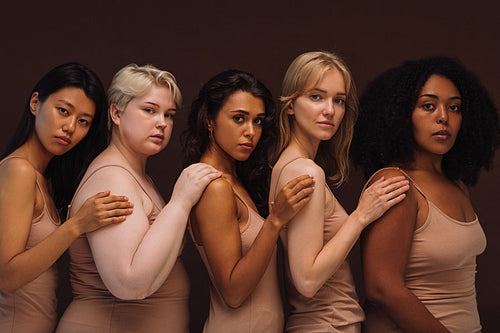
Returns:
<point x="311" y="261"/>
<point x="385" y="249"/>
<point x="236" y="276"/>
<point x="135" y="258"/>
<point x="17" y="200"/>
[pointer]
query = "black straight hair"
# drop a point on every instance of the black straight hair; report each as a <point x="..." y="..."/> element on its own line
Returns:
<point x="64" y="172"/>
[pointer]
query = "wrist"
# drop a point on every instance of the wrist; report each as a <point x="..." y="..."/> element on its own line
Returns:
<point x="275" y="221"/>
<point x="72" y="227"/>
<point x="361" y="219"/>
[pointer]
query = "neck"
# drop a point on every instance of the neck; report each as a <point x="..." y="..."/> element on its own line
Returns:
<point x="305" y="146"/>
<point x="35" y="153"/>
<point x="136" y="161"/>
<point x="216" y="157"/>
<point x="427" y="162"/>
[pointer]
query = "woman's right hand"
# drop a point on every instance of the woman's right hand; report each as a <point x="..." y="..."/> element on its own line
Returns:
<point x="192" y="182"/>
<point x="101" y="210"/>
<point x="379" y="197"/>
<point x="290" y="200"/>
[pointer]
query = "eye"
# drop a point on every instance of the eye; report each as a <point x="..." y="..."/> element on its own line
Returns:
<point x="428" y="106"/>
<point x="238" y="119"/>
<point x="84" y="122"/>
<point x="63" y="110"/>
<point x="339" y="101"/>
<point x="315" y="97"/>
<point x="259" y="121"/>
<point x="455" y="108"/>
<point x="169" y="116"/>
<point x="149" y="110"/>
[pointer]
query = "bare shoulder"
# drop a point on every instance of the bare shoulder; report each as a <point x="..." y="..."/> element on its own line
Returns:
<point x="386" y="173"/>
<point x="218" y="189"/>
<point x="114" y="178"/>
<point x="17" y="171"/>
<point x="303" y="166"/>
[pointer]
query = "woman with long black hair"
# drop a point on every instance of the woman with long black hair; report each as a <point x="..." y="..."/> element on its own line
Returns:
<point x="62" y="128"/>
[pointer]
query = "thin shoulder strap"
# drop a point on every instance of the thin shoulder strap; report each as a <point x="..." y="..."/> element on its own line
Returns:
<point x="45" y="204"/>
<point x="36" y="178"/>
<point x="403" y="172"/>
<point x="111" y="165"/>
<point x="283" y="168"/>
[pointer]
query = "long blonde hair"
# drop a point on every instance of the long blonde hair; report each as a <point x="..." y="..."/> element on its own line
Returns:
<point x="304" y="73"/>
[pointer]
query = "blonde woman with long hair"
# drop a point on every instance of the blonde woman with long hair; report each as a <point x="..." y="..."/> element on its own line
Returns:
<point x="318" y="112"/>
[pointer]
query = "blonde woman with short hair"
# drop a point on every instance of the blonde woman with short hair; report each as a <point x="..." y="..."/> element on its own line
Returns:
<point x="131" y="279"/>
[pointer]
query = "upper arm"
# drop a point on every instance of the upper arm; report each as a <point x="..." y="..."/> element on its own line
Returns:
<point x="215" y="216"/>
<point x="113" y="247"/>
<point x="386" y="242"/>
<point x="305" y="231"/>
<point x="17" y="200"/>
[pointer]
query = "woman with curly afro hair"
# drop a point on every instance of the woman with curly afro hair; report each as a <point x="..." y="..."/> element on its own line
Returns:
<point x="432" y="121"/>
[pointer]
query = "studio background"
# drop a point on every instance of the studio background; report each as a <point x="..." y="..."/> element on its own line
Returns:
<point x="196" y="40"/>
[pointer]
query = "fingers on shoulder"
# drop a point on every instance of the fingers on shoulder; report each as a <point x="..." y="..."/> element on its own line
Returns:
<point x="305" y="167"/>
<point x="385" y="174"/>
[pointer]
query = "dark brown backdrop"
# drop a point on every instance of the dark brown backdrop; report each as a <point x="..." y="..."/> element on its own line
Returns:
<point x="196" y="40"/>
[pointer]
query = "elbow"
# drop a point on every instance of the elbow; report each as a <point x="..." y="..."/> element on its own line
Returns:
<point x="128" y="290"/>
<point x="6" y="286"/>
<point x="378" y="292"/>
<point x="129" y="294"/>
<point x="307" y="287"/>
<point x="232" y="300"/>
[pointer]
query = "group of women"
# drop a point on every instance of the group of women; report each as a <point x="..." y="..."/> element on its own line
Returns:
<point x="421" y="132"/>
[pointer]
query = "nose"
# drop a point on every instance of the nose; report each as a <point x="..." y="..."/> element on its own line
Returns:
<point x="329" y="109"/>
<point x="161" y="122"/>
<point x="442" y="115"/>
<point x="250" y="130"/>
<point x="70" y="125"/>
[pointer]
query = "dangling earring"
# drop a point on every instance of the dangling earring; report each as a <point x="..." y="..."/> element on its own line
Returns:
<point x="211" y="134"/>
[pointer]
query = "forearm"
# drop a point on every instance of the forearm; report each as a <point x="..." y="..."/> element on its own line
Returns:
<point x="329" y="258"/>
<point x="249" y="270"/>
<point x="146" y="266"/>
<point x="406" y="310"/>
<point x="28" y="265"/>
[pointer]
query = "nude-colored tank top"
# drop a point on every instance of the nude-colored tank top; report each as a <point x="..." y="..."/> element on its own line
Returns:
<point x="441" y="272"/>
<point x="335" y="307"/>
<point x="95" y="309"/>
<point x="32" y="308"/>
<point x="262" y="311"/>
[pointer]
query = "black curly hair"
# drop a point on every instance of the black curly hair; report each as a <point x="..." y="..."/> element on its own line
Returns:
<point x="383" y="132"/>
<point x="255" y="172"/>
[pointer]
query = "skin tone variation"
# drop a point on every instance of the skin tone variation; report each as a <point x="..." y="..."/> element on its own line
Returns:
<point x="436" y="121"/>
<point x="62" y="120"/>
<point x="135" y="258"/>
<point x="316" y="115"/>
<point x="219" y="215"/>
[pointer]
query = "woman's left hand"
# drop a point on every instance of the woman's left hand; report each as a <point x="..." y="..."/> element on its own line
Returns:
<point x="379" y="197"/>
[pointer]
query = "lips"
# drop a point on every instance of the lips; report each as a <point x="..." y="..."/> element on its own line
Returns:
<point x="64" y="140"/>
<point x="246" y="145"/>
<point x="442" y="135"/>
<point x="158" y="138"/>
<point x="326" y="123"/>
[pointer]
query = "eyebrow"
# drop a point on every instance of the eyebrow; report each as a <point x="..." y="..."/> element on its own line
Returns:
<point x="246" y="112"/>
<point x="156" y="105"/>
<point x="73" y="107"/>
<point x="324" y="92"/>
<point x="436" y="97"/>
